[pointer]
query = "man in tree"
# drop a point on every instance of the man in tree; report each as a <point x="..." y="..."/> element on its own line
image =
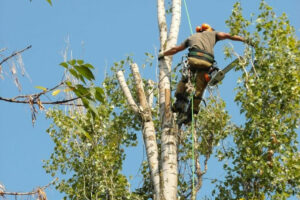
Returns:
<point x="200" y="59"/>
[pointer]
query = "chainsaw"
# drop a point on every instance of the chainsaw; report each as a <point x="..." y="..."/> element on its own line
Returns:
<point x="217" y="75"/>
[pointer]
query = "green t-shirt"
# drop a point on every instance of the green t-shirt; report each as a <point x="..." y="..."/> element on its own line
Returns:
<point x="205" y="40"/>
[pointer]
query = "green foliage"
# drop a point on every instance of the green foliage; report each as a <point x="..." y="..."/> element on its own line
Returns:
<point x="266" y="159"/>
<point x="89" y="145"/>
<point x="146" y="191"/>
<point x="79" y="69"/>
<point x="88" y="93"/>
<point x="212" y="126"/>
<point x="133" y="121"/>
<point x="237" y="23"/>
<point x="117" y="98"/>
<point x="89" y="153"/>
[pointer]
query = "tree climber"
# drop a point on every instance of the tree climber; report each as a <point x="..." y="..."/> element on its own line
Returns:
<point x="200" y="59"/>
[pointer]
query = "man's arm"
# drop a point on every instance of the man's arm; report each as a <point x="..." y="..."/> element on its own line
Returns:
<point x="223" y="36"/>
<point x="174" y="50"/>
<point x="171" y="51"/>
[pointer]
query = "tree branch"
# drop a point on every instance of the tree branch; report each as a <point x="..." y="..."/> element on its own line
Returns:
<point x="150" y="94"/>
<point x="175" y="23"/>
<point x="13" y="100"/>
<point x="126" y="91"/>
<point x="148" y="132"/>
<point x="14" y="54"/>
<point x="140" y="87"/>
<point x="35" y="98"/>
<point x="38" y="191"/>
<point x="162" y="24"/>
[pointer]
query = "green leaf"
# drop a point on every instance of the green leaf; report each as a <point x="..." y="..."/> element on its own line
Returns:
<point x="85" y="133"/>
<point x="85" y="71"/>
<point x="80" y="62"/>
<point x="89" y="66"/>
<point x="72" y="62"/>
<point x="41" y="88"/>
<point x="99" y="94"/>
<point x="69" y="84"/>
<point x="81" y="91"/>
<point x="89" y="105"/>
<point x="64" y="64"/>
<point x="74" y="73"/>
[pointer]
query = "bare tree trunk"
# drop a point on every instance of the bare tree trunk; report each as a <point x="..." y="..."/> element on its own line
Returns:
<point x="164" y="177"/>
<point x="169" y="168"/>
<point x="149" y="135"/>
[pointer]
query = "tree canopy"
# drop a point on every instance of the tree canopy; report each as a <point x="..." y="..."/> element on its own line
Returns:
<point x="260" y="157"/>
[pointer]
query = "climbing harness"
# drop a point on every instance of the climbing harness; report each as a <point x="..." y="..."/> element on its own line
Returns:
<point x="213" y="76"/>
<point x="188" y="76"/>
<point x="201" y="54"/>
<point x="185" y="69"/>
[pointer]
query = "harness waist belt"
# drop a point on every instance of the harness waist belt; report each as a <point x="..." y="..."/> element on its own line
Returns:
<point x="201" y="54"/>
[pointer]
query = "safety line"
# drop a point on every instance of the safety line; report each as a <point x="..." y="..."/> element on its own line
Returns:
<point x="193" y="147"/>
<point x="188" y="16"/>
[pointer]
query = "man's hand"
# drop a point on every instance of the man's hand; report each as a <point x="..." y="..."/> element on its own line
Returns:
<point x="161" y="55"/>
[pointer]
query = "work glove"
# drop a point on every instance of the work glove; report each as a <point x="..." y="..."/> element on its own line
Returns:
<point x="161" y="55"/>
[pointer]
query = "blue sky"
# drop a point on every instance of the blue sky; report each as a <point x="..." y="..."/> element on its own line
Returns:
<point x="100" y="32"/>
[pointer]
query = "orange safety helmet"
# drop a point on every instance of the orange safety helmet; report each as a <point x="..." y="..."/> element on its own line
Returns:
<point x="204" y="27"/>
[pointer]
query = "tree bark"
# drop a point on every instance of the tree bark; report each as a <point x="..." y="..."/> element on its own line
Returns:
<point x="127" y="92"/>
<point x="169" y="167"/>
<point x="164" y="175"/>
<point x="149" y="135"/>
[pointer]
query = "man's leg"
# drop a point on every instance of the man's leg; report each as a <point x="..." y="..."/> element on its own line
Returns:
<point x="200" y="87"/>
<point x="200" y="67"/>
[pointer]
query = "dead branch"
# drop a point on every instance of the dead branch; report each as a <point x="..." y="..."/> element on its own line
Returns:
<point x="126" y="91"/>
<point x="63" y="102"/>
<point x="39" y="192"/>
<point x="35" y="98"/>
<point x="14" y="54"/>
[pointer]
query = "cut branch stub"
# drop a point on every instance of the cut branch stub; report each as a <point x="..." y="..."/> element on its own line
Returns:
<point x="146" y="115"/>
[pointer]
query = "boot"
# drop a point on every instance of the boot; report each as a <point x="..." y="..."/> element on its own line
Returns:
<point x="186" y="117"/>
<point x="180" y="105"/>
